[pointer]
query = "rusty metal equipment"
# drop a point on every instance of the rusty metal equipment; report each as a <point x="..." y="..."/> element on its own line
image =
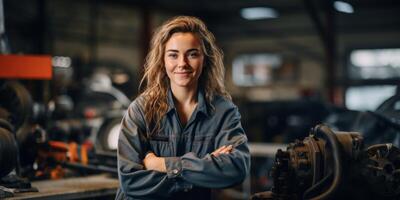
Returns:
<point x="8" y="148"/>
<point x="334" y="165"/>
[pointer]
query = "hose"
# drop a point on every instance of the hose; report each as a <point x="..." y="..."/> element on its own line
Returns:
<point x="337" y="163"/>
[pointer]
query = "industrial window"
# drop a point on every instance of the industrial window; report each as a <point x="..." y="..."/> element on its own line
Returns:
<point x="262" y="69"/>
<point x="373" y="75"/>
<point x="375" y="63"/>
<point x="368" y="97"/>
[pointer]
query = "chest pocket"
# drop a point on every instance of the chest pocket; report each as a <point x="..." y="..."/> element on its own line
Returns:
<point x="203" y="144"/>
<point x="161" y="145"/>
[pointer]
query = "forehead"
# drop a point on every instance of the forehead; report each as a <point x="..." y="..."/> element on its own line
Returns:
<point x="183" y="41"/>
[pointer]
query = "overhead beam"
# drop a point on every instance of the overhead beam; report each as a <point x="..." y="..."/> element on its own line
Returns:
<point x="327" y="34"/>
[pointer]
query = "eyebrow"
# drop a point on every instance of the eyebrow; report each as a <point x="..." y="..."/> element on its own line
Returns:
<point x="191" y="50"/>
<point x="174" y="50"/>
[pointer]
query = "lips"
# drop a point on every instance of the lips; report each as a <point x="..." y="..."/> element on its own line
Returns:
<point x="184" y="72"/>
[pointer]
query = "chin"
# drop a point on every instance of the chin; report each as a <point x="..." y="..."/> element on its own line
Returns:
<point x="183" y="84"/>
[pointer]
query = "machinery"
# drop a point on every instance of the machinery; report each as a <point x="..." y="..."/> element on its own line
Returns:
<point x="60" y="148"/>
<point x="8" y="148"/>
<point x="15" y="104"/>
<point x="14" y="127"/>
<point x="334" y="165"/>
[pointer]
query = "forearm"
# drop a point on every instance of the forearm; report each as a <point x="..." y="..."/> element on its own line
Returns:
<point x="145" y="183"/>
<point x="222" y="171"/>
<point x="149" y="183"/>
<point x="136" y="181"/>
<point x="153" y="162"/>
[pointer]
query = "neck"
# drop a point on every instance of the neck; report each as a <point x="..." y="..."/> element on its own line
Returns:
<point x="184" y="95"/>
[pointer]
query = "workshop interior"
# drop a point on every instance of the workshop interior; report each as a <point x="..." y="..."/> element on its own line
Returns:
<point x="317" y="84"/>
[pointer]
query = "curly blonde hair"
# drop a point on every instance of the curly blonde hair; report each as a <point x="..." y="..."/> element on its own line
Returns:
<point x="155" y="77"/>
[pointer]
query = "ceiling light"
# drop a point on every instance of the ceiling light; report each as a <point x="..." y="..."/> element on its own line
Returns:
<point x="256" y="13"/>
<point x="61" y="61"/>
<point x="376" y="58"/>
<point x="343" y="7"/>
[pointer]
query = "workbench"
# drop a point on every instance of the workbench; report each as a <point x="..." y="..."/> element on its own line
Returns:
<point x="101" y="186"/>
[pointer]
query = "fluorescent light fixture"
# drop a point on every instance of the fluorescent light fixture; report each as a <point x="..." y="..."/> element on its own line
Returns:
<point x="376" y="58"/>
<point x="61" y="61"/>
<point x="258" y="13"/>
<point x="343" y="7"/>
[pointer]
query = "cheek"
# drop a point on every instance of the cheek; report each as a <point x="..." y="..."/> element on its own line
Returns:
<point x="168" y="66"/>
<point x="168" y="72"/>
<point x="200" y="66"/>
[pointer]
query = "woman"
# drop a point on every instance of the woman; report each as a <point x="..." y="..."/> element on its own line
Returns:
<point x="182" y="135"/>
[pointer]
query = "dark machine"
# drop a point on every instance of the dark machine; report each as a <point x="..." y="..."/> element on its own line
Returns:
<point x="62" y="147"/>
<point x="14" y="126"/>
<point x="335" y="165"/>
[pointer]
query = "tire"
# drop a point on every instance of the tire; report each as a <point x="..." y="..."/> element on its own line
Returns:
<point x="107" y="138"/>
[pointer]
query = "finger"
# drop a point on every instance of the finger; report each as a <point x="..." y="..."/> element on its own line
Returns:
<point x="148" y="155"/>
<point x="219" y="149"/>
<point x="226" y="150"/>
<point x="223" y="150"/>
<point x="215" y="153"/>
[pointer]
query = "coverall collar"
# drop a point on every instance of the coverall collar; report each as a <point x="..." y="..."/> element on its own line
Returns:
<point x="201" y="102"/>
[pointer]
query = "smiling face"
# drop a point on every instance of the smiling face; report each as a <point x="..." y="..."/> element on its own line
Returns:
<point x="183" y="60"/>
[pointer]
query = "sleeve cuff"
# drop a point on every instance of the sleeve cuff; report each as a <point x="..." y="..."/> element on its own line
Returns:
<point x="185" y="186"/>
<point x="173" y="166"/>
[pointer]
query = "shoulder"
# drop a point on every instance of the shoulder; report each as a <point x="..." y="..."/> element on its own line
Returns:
<point x="222" y="105"/>
<point x="136" y="108"/>
<point x="137" y="104"/>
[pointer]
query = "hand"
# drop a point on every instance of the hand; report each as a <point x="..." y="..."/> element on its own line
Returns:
<point x="223" y="150"/>
<point x="153" y="162"/>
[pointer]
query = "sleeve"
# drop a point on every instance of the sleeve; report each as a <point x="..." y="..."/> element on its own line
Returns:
<point x="135" y="181"/>
<point x="216" y="172"/>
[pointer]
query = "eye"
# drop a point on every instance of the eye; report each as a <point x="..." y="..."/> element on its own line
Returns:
<point x="172" y="55"/>
<point x="193" y="55"/>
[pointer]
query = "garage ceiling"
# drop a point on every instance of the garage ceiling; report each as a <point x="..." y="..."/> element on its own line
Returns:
<point x="294" y="15"/>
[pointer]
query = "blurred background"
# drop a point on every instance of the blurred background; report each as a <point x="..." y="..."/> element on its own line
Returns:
<point x="69" y="69"/>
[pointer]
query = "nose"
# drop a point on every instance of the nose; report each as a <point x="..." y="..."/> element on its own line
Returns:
<point x="182" y="62"/>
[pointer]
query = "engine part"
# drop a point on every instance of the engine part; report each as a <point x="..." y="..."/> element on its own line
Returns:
<point x="8" y="148"/>
<point x="334" y="165"/>
<point x="107" y="137"/>
<point x="15" y="98"/>
<point x="382" y="167"/>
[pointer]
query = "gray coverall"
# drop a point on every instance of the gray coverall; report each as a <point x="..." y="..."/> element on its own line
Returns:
<point x="191" y="169"/>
